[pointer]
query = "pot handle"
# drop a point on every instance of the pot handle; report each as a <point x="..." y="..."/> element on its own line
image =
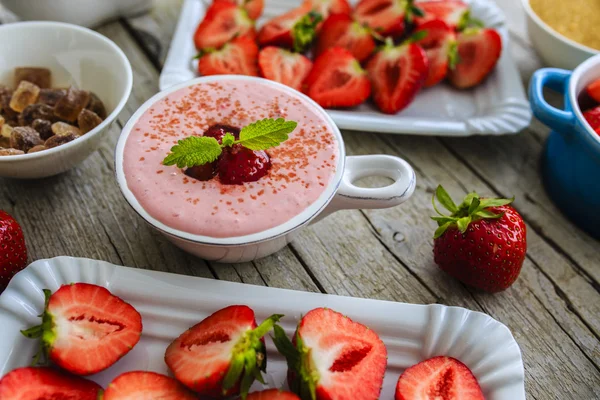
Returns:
<point x="350" y="196"/>
<point x="557" y="80"/>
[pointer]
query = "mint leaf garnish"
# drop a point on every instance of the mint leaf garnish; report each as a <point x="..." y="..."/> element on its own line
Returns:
<point x="199" y="150"/>
<point x="267" y="133"/>
<point x="193" y="151"/>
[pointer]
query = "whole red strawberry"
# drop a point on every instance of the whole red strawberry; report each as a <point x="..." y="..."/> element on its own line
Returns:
<point x="482" y="243"/>
<point x="13" y="253"/>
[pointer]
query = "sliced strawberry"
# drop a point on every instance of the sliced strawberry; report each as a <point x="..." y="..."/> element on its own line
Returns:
<point x="32" y="383"/>
<point x="272" y="394"/>
<point x="254" y="8"/>
<point x="441" y="49"/>
<point x="137" y="385"/>
<point x="478" y="53"/>
<point x="223" y="21"/>
<point x="85" y="329"/>
<point x="452" y="12"/>
<point x="593" y="90"/>
<point x="279" y="31"/>
<point x="338" y="80"/>
<point x="340" y="30"/>
<point x="333" y="358"/>
<point x="221" y="355"/>
<point x="387" y="17"/>
<point x="440" y="378"/>
<point x="592" y="117"/>
<point x="328" y="7"/>
<point x="238" y="57"/>
<point x="283" y="66"/>
<point x="397" y="74"/>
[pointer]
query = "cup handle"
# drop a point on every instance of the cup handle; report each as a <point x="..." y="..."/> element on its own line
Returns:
<point x="350" y="196"/>
<point x="558" y="80"/>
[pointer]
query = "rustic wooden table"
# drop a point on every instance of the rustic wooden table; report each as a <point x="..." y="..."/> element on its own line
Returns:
<point x="553" y="309"/>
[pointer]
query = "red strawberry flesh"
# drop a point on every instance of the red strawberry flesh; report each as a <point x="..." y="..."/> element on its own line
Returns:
<point x="43" y="383"/>
<point x="223" y="22"/>
<point x="86" y="329"/>
<point x="439" y="378"/>
<point x="478" y="52"/>
<point x="593" y="90"/>
<point x="438" y="45"/>
<point x="593" y="117"/>
<point x="278" y="31"/>
<point x="272" y="394"/>
<point x="138" y="385"/>
<point x="237" y="57"/>
<point x="342" y="31"/>
<point x="451" y="12"/>
<point x="13" y="252"/>
<point x="387" y="17"/>
<point x="283" y="66"/>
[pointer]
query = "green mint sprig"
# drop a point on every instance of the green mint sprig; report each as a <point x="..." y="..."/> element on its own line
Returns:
<point x="199" y="150"/>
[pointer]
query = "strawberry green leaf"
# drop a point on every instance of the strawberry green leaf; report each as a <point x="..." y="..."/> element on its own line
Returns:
<point x="418" y="11"/>
<point x="234" y="372"/>
<point x="285" y="347"/>
<point x="266" y="325"/>
<point x="453" y="56"/>
<point x="228" y="140"/>
<point x="417" y="36"/>
<point x="463" y="224"/>
<point x="444" y="198"/>
<point x="485" y="214"/>
<point x="474" y="205"/>
<point x="486" y="203"/>
<point x="442" y="229"/>
<point x="248" y="377"/>
<point x="467" y="21"/>
<point x="266" y="133"/>
<point x="305" y="31"/>
<point x="193" y="151"/>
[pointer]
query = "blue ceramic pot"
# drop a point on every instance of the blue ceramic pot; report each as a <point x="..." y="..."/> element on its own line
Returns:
<point x="571" y="160"/>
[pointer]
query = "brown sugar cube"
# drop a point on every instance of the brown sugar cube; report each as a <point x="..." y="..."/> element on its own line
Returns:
<point x="2" y="120"/>
<point x="8" y="113"/>
<point x="88" y="120"/>
<point x="5" y="132"/>
<point x="38" y="76"/>
<point x="35" y="111"/>
<point x="96" y="105"/>
<point x="69" y="107"/>
<point x="24" y="138"/>
<point x="64" y="129"/>
<point x="26" y="94"/>
<point x="44" y="128"/>
<point x="56" y="140"/>
<point x="35" y="149"/>
<point x="51" y="96"/>
<point x="10" y="152"/>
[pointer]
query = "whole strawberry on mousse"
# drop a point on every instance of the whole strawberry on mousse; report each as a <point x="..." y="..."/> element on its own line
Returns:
<point x="235" y="156"/>
<point x="13" y="253"/>
<point x="333" y="358"/>
<point x="85" y="329"/>
<point x="482" y="243"/>
<point x="438" y="378"/>
<point x="32" y="383"/>
<point x="139" y="385"/>
<point x="223" y="354"/>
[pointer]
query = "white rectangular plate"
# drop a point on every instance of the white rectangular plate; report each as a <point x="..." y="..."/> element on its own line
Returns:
<point x="171" y="303"/>
<point x="498" y="106"/>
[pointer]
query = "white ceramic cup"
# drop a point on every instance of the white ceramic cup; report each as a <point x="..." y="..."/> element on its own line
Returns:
<point x="76" y="56"/>
<point x="341" y="193"/>
<point x="555" y="49"/>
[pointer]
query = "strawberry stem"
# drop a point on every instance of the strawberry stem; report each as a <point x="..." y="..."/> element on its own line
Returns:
<point x="473" y="208"/>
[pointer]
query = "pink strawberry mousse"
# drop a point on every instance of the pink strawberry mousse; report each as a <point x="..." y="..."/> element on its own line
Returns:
<point x="302" y="166"/>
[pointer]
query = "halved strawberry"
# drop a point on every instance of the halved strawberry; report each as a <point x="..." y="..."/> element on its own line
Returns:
<point x="137" y="385"/>
<point x="333" y="358"/>
<point x="442" y="378"/>
<point x="387" y="17"/>
<point x="223" y="22"/>
<point x="328" y="7"/>
<point x="593" y="90"/>
<point x="282" y="30"/>
<point x="342" y="31"/>
<point x="272" y="394"/>
<point x="452" y="12"/>
<point x="441" y="49"/>
<point x="338" y="80"/>
<point x="237" y="57"/>
<point x="397" y="74"/>
<point x="86" y="329"/>
<point x="33" y="383"/>
<point x="283" y="66"/>
<point x="221" y="355"/>
<point x="478" y="53"/>
<point x="254" y="8"/>
<point x="592" y="117"/>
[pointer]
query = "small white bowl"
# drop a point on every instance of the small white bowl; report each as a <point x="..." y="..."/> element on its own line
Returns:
<point x="76" y="56"/>
<point x="341" y="193"/>
<point x="555" y="49"/>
